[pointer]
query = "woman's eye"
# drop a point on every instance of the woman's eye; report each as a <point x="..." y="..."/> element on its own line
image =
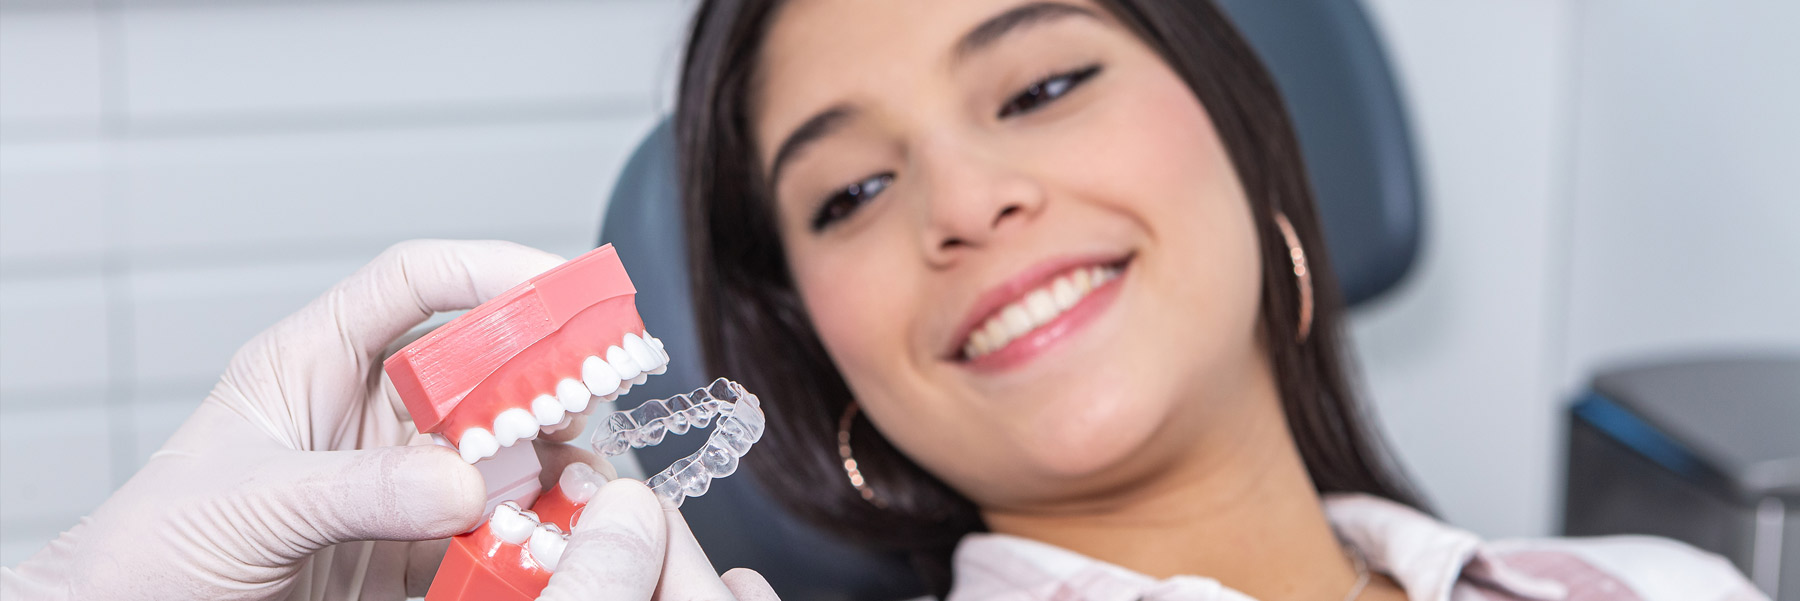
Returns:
<point x="1046" y="90"/>
<point x="849" y="199"/>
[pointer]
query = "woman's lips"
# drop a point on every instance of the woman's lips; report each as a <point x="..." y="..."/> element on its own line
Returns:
<point x="1021" y="318"/>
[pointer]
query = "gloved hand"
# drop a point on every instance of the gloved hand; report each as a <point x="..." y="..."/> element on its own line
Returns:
<point x="627" y="547"/>
<point x="278" y="484"/>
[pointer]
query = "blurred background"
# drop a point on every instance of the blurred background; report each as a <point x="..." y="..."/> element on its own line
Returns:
<point x="1606" y="182"/>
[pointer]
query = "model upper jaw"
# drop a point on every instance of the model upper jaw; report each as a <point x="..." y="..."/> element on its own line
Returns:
<point x="603" y="379"/>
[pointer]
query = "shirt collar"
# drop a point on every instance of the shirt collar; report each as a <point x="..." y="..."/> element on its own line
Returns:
<point x="1425" y="556"/>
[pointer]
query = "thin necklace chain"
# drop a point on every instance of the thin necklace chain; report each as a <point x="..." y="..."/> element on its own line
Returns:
<point x="1362" y="573"/>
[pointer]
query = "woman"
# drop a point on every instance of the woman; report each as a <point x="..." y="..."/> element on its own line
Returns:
<point x="1039" y="288"/>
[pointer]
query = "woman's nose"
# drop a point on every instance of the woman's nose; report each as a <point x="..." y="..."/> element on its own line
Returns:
<point x="971" y="202"/>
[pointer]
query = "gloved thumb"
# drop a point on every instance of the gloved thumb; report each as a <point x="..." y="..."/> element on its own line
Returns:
<point x="617" y="549"/>
<point x="391" y="493"/>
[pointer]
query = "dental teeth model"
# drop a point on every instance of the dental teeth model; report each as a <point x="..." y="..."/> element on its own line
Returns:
<point x="525" y="363"/>
<point x="514" y="554"/>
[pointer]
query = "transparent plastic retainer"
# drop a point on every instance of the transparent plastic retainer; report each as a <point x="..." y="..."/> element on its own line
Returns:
<point x="740" y="424"/>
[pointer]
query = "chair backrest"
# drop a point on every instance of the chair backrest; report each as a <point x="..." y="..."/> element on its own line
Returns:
<point x="1357" y="145"/>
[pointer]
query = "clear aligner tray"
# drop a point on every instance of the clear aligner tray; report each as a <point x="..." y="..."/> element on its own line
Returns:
<point x="740" y="424"/>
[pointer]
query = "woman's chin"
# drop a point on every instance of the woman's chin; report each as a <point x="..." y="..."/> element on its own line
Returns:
<point x="1088" y="446"/>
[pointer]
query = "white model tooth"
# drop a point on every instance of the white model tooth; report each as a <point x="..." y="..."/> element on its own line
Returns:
<point x="547" y="409"/>
<point x="1063" y="291"/>
<point x="646" y="358"/>
<point x="1041" y="307"/>
<point x="439" y="440"/>
<point x="621" y="362"/>
<point x="510" y="525"/>
<point x="547" y="543"/>
<point x="640" y="379"/>
<point x="600" y="378"/>
<point x="573" y="394"/>
<point x="514" y="425"/>
<point x="477" y="444"/>
<point x="580" y="482"/>
<point x="567" y="419"/>
<point x="662" y="356"/>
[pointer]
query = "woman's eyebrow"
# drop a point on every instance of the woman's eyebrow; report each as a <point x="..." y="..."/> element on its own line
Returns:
<point x="1018" y="18"/>
<point x="980" y="38"/>
<point x="819" y="126"/>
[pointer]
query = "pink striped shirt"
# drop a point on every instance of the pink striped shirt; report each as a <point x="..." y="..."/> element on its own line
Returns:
<point x="1432" y="561"/>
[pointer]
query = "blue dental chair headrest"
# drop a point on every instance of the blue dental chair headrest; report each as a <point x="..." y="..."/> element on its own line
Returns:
<point x="1353" y="132"/>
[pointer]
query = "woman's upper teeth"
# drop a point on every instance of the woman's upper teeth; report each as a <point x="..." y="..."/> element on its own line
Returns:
<point x="1036" y="308"/>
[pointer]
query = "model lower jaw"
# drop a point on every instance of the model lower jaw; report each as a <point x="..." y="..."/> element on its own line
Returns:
<point x="542" y="541"/>
<point x="626" y="364"/>
<point x="739" y="424"/>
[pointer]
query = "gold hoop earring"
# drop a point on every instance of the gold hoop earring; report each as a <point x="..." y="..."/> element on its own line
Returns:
<point x="1302" y="275"/>
<point x="850" y="468"/>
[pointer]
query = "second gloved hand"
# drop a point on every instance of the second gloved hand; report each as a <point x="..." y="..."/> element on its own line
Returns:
<point x="627" y="547"/>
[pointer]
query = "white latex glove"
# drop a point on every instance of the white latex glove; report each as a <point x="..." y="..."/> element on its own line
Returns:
<point x="626" y="547"/>
<point x="276" y="485"/>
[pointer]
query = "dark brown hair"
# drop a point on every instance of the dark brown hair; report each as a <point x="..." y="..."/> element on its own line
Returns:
<point x="752" y="324"/>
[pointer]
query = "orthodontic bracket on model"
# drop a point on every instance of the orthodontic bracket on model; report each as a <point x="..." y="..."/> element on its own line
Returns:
<point x="525" y="363"/>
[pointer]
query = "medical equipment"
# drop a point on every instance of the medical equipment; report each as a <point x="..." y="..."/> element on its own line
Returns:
<point x="1704" y="450"/>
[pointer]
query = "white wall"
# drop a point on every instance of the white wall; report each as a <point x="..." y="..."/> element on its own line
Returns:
<point x="175" y="176"/>
<point x="1610" y="181"/>
<point x="1607" y="180"/>
<point x="1686" y="220"/>
<point x="1458" y="360"/>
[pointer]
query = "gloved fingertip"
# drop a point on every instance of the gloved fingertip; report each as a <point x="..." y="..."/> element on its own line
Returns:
<point x="748" y="585"/>
<point x="621" y="500"/>
<point x="509" y="261"/>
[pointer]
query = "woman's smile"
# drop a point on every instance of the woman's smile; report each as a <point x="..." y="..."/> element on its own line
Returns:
<point x="1026" y="316"/>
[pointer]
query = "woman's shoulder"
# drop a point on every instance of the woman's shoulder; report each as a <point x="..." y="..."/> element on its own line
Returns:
<point x="1629" y="567"/>
<point x="1434" y="560"/>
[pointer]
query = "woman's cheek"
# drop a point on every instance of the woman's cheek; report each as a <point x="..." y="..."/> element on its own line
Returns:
<point x="857" y="305"/>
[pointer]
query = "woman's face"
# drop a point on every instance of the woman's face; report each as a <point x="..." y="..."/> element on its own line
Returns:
<point x="1017" y="234"/>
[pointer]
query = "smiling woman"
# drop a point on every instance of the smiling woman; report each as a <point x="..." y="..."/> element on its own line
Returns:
<point x="932" y="183"/>
<point x="1063" y="257"/>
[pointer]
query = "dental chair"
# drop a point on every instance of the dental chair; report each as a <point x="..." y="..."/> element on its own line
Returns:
<point x="1353" y="132"/>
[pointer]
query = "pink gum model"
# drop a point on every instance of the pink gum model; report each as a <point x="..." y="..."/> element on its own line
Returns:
<point x="530" y="358"/>
<point x="484" y="566"/>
